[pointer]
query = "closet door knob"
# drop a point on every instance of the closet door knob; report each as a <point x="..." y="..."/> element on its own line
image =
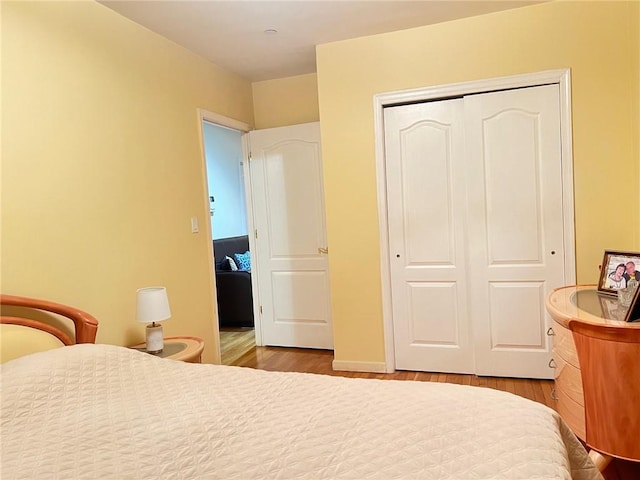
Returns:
<point x="550" y="331"/>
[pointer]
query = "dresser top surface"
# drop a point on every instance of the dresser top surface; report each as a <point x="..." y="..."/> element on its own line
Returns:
<point x="586" y="303"/>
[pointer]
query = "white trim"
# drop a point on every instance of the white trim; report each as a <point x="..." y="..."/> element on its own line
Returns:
<point x="568" y="207"/>
<point x="385" y="268"/>
<point x="210" y="259"/>
<point x="223" y="121"/>
<point x="467" y="88"/>
<point x="562" y="77"/>
<point x="372" y="367"/>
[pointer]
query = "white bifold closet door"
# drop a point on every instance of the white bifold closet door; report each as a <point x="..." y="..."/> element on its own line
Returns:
<point x="474" y="191"/>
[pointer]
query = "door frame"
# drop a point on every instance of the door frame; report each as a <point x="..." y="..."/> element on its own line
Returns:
<point x="561" y="77"/>
<point x="226" y="122"/>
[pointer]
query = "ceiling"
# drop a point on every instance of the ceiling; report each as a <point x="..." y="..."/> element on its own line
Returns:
<point x="235" y="34"/>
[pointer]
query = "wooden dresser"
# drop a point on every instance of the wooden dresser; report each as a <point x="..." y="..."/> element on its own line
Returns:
<point x="584" y="303"/>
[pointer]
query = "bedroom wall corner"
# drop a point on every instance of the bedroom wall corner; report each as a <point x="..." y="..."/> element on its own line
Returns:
<point x="102" y="166"/>
<point x="634" y="29"/>
<point x="596" y="40"/>
<point x="286" y="101"/>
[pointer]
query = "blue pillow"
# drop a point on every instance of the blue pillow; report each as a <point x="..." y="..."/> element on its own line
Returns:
<point x="243" y="260"/>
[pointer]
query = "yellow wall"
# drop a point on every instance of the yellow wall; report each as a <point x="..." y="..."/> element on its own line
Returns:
<point x="597" y="40"/>
<point x="102" y="165"/>
<point x="635" y="122"/>
<point x="286" y="101"/>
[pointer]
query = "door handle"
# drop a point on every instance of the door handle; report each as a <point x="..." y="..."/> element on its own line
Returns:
<point x="324" y="250"/>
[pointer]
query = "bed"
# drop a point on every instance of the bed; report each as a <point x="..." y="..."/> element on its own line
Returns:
<point x="30" y="325"/>
<point x="103" y="411"/>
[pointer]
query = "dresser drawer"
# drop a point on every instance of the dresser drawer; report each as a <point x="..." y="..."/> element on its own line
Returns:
<point x="568" y="379"/>
<point x="571" y="412"/>
<point x="563" y="345"/>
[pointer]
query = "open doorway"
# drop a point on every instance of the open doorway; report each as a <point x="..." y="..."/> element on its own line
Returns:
<point x="284" y="219"/>
<point x="229" y="231"/>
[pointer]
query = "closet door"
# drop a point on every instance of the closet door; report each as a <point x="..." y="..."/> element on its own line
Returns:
<point x="426" y="210"/>
<point x="474" y="192"/>
<point x="516" y="253"/>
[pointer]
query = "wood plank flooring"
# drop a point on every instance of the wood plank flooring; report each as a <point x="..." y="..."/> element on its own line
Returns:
<point x="234" y="343"/>
<point x="238" y="348"/>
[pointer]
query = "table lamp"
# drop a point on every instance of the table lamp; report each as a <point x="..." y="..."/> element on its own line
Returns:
<point x="152" y="307"/>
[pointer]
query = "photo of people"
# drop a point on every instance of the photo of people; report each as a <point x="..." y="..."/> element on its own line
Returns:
<point x="618" y="269"/>
<point x="616" y="280"/>
<point x="630" y="272"/>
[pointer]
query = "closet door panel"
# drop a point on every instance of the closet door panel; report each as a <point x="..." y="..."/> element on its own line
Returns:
<point x="426" y="211"/>
<point x="516" y="244"/>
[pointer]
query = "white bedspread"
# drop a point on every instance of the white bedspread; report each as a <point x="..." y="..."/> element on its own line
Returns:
<point x="106" y="412"/>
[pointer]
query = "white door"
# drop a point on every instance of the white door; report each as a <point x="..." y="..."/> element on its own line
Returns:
<point x="291" y="245"/>
<point x="426" y="209"/>
<point x="475" y="188"/>
<point x="515" y="219"/>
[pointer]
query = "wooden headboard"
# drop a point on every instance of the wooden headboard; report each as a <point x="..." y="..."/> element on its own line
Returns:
<point x="86" y="326"/>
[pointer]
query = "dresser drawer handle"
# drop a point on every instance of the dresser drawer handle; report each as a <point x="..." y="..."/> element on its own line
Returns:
<point x="550" y="331"/>
<point x="552" y="363"/>
<point x="553" y="394"/>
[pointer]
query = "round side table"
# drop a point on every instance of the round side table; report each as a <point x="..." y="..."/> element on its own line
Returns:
<point x="185" y="349"/>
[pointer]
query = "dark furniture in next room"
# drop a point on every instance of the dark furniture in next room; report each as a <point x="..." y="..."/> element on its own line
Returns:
<point x="235" y="300"/>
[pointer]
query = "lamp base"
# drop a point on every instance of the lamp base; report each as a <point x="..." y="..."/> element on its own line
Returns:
<point x="155" y="340"/>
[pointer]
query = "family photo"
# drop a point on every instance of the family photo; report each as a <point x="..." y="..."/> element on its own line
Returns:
<point x="619" y="270"/>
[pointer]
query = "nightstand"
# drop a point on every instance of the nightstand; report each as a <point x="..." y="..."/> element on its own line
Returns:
<point x="185" y="349"/>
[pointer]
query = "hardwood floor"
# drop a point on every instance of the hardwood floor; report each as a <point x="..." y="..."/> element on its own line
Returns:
<point x="234" y="343"/>
<point x="238" y="348"/>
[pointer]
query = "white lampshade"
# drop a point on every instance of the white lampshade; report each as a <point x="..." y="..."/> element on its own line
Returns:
<point x="152" y="305"/>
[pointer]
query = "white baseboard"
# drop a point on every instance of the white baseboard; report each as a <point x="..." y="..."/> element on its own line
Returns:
<point x="371" y="367"/>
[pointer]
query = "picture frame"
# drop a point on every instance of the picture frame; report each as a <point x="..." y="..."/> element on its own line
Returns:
<point x="633" y="314"/>
<point x="612" y="278"/>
